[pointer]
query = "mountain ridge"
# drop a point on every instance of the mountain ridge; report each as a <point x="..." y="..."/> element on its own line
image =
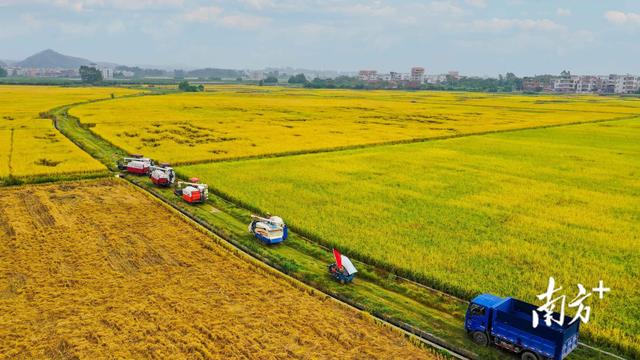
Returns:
<point x="52" y="59"/>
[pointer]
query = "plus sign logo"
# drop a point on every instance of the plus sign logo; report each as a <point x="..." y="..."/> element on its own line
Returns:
<point x="601" y="290"/>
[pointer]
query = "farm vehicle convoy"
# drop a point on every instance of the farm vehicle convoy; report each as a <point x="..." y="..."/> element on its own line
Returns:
<point x="489" y="320"/>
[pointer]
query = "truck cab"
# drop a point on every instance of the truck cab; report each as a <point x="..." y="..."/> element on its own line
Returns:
<point x="478" y="317"/>
<point x="507" y="323"/>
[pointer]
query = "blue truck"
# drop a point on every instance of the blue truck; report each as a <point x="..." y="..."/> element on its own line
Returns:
<point x="507" y="323"/>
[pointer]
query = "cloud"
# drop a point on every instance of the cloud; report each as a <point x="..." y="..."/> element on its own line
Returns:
<point x="373" y="9"/>
<point x="202" y="14"/>
<point x="244" y="21"/>
<point x="563" y="12"/>
<point x="213" y="14"/>
<point x="83" y="5"/>
<point x="258" y="4"/>
<point x="621" y="18"/>
<point x="477" y="3"/>
<point x="442" y="8"/>
<point x="499" y="24"/>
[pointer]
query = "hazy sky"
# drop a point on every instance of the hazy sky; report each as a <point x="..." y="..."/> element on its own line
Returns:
<point x="482" y="37"/>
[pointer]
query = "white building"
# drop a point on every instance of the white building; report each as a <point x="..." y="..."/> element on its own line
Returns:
<point x="107" y="73"/>
<point x="368" y="75"/>
<point x="626" y="84"/>
<point x="417" y="75"/>
<point x="588" y="84"/>
<point x="566" y="83"/>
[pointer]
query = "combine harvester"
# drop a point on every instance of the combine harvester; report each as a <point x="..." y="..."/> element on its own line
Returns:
<point x="271" y="230"/>
<point x="136" y="164"/>
<point x="342" y="270"/>
<point x="162" y="175"/>
<point x="507" y="323"/>
<point x="192" y="192"/>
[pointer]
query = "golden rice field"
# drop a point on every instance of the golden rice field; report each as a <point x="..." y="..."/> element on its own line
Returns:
<point x="497" y="213"/>
<point x="29" y="144"/>
<point x="101" y="270"/>
<point x="230" y="122"/>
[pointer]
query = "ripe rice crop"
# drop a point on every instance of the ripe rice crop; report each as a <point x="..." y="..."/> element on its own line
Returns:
<point x="29" y="145"/>
<point x="497" y="213"/>
<point x="101" y="270"/>
<point x="230" y="122"/>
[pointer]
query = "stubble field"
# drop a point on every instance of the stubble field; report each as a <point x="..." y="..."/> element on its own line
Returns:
<point x="99" y="269"/>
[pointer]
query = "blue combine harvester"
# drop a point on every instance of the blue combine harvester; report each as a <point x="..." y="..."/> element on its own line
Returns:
<point x="507" y="323"/>
<point x="271" y="230"/>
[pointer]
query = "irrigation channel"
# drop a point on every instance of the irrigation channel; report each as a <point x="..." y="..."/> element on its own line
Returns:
<point x="433" y="316"/>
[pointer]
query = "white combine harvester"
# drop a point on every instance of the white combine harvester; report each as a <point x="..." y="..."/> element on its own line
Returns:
<point x="162" y="175"/>
<point x="343" y="269"/>
<point x="271" y="230"/>
<point x="192" y="192"/>
<point x="136" y="164"/>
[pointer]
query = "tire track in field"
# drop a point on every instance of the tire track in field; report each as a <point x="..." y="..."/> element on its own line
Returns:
<point x="5" y="224"/>
<point x="38" y="210"/>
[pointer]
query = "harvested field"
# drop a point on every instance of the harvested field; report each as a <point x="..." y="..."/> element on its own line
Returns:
<point x="100" y="270"/>
<point x="230" y="122"/>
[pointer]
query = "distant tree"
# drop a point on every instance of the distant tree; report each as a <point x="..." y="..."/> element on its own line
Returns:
<point x="90" y="75"/>
<point x="239" y="79"/>
<point x="3" y="72"/>
<point x="298" y="79"/>
<point x="185" y="86"/>
<point x="271" y="80"/>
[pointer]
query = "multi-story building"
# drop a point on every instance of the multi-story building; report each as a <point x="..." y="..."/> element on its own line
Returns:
<point x="417" y="75"/>
<point x="626" y="84"/>
<point x="395" y="76"/>
<point x="107" y="73"/>
<point x="566" y="83"/>
<point x="588" y="84"/>
<point x="368" y="75"/>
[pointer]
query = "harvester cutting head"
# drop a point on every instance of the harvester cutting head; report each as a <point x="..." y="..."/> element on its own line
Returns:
<point x="192" y="192"/>
<point x="135" y="164"/>
<point x="270" y="230"/>
<point x="162" y="175"/>
<point x="342" y="270"/>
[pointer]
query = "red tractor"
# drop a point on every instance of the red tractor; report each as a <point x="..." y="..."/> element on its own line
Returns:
<point x="162" y="175"/>
<point x="136" y="164"/>
<point x="192" y="192"/>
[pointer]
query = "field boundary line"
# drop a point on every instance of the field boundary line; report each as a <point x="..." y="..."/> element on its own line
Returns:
<point x="395" y="142"/>
<point x="601" y="351"/>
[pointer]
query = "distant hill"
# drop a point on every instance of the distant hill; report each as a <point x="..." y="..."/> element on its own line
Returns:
<point x="51" y="59"/>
